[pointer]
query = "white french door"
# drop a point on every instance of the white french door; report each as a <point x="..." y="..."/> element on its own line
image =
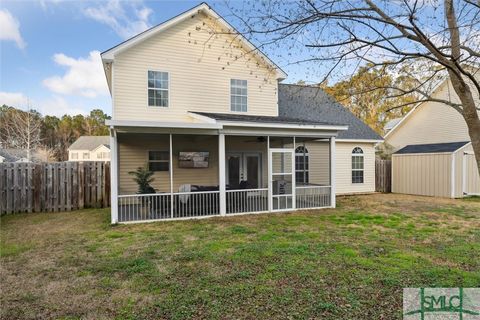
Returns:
<point x="281" y="179"/>
<point x="244" y="167"/>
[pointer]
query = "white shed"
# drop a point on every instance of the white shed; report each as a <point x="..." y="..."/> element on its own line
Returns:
<point x="438" y="169"/>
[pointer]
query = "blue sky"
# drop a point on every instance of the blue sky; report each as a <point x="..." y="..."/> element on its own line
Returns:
<point x="49" y="49"/>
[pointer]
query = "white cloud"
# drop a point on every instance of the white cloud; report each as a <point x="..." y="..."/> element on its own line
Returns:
<point x="13" y="99"/>
<point x="58" y="106"/>
<point x="84" y="76"/>
<point x="125" y="18"/>
<point x="53" y="106"/>
<point x="10" y="29"/>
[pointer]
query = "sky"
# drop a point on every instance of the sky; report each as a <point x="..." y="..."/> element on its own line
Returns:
<point x="49" y="50"/>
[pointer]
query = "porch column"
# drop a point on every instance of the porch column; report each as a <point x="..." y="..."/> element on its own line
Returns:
<point x="221" y="174"/>
<point x="113" y="176"/>
<point x="332" y="172"/>
<point x="170" y="171"/>
<point x="269" y="178"/>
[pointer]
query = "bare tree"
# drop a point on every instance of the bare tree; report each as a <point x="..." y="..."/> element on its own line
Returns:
<point x="21" y="130"/>
<point x="441" y="38"/>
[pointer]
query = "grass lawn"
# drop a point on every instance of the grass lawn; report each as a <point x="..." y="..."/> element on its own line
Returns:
<point x="346" y="263"/>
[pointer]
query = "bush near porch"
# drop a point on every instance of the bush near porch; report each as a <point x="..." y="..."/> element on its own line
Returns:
<point x="346" y="263"/>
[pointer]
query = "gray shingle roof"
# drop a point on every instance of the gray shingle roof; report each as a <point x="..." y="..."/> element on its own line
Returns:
<point x="312" y="103"/>
<point x="90" y="142"/>
<point x="432" y="147"/>
<point x="265" y="119"/>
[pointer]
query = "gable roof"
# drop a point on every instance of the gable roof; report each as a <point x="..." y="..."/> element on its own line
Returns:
<point x="313" y="104"/>
<point x="391" y="124"/>
<point x="432" y="147"/>
<point x="90" y="142"/>
<point x="109" y="54"/>
<point x="265" y="119"/>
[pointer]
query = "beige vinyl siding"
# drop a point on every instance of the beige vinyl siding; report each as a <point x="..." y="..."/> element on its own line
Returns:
<point x="343" y="161"/>
<point x="431" y="122"/>
<point x="133" y="153"/>
<point x="422" y="174"/>
<point x="319" y="162"/>
<point x="200" y="65"/>
<point x="472" y="184"/>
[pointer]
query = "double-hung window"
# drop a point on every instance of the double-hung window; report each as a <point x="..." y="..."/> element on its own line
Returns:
<point x="238" y="95"/>
<point x="357" y="165"/>
<point x="158" y="89"/>
<point x="86" y="156"/>
<point x="158" y="160"/>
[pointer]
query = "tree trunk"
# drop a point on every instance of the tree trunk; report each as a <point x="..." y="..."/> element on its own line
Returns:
<point x="469" y="113"/>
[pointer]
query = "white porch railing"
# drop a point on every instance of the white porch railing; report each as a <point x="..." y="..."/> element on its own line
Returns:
<point x="158" y="206"/>
<point x="196" y="204"/>
<point x="247" y="200"/>
<point x="313" y="197"/>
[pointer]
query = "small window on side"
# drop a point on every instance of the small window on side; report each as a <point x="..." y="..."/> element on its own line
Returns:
<point x="357" y="165"/>
<point x="158" y="161"/>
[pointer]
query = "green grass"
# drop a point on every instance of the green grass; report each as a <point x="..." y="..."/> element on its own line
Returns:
<point x="346" y="263"/>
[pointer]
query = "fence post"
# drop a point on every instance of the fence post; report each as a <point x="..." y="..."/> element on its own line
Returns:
<point x="37" y="187"/>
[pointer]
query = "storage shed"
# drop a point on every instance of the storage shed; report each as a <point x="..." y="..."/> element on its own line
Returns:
<point x="438" y="169"/>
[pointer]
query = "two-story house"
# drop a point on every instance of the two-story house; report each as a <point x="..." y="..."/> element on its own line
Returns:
<point x="200" y="106"/>
<point x="90" y="148"/>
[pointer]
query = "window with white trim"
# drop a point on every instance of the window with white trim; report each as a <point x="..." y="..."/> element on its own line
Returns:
<point x="238" y="95"/>
<point x="357" y="165"/>
<point x="86" y="156"/>
<point x="74" y="156"/>
<point x="301" y="165"/>
<point x="157" y="89"/>
<point x="158" y="160"/>
<point x="103" y="155"/>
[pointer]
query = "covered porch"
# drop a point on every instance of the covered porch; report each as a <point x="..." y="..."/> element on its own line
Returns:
<point x="205" y="172"/>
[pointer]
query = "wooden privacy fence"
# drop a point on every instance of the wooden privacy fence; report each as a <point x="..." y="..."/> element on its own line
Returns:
<point x="383" y="175"/>
<point x="50" y="187"/>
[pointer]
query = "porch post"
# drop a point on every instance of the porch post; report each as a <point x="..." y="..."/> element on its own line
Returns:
<point x="332" y="173"/>
<point x="171" y="174"/>
<point x="221" y="174"/>
<point x="113" y="176"/>
<point x="269" y="165"/>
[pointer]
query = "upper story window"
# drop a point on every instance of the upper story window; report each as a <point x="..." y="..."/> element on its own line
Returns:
<point x="357" y="165"/>
<point x="157" y="89"/>
<point x="238" y="95"/>
<point x="301" y="165"/>
<point x="86" y="155"/>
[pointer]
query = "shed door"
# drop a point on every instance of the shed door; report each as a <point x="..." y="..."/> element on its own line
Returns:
<point x="471" y="179"/>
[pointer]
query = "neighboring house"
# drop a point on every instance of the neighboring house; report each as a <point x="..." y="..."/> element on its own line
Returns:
<point x="2" y="159"/>
<point x="432" y="152"/>
<point x="203" y="108"/>
<point x="90" y="148"/>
